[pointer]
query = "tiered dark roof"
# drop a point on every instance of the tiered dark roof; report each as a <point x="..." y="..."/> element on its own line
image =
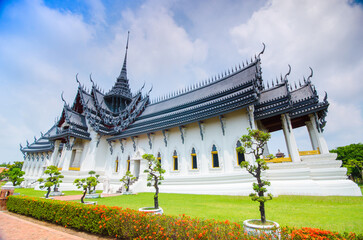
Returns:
<point x="40" y="145"/>
<point x="120" y="114"/>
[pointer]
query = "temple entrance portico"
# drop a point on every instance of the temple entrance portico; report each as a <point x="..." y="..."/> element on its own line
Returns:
<point x="287" y="125"/>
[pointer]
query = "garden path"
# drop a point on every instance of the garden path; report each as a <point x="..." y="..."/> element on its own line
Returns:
<point x="77" y="197"/>
<point x="15" y="227"/>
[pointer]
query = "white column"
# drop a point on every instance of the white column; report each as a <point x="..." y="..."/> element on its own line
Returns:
<point x="312" y="135"/>
<point x="251" y="116"/>
<point x="290" y="138"/>
<point x="320" y="140"/>
<point x="54" y="157"/>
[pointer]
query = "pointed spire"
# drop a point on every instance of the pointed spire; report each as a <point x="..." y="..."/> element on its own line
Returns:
<point x="123" y="74"/>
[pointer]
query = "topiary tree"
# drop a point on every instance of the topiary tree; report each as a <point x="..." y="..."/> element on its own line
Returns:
<point x="154" y="175"/>
<point x="126" y="179"/>
<point x="253" y="143"/>
<point x="96" y="176"/>
<point x="53" y="180"/>
<point x="87" y="184"/>
<point x="15" y="176"/>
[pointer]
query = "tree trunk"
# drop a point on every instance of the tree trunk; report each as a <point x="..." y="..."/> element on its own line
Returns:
<point x="46" y="196"/>
<point x="84" y="194"/>
<point x="262" y="212"/>
<point x="156" y="200"/>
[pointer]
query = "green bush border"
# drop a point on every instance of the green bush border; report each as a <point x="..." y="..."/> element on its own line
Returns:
<point x="131" y="224"/>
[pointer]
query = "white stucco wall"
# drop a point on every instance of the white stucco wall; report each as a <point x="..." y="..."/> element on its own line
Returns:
<point x="313" y="175"/>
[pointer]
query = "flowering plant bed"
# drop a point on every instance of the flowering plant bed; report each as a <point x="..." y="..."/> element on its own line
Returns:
<point x="131" y="224"/>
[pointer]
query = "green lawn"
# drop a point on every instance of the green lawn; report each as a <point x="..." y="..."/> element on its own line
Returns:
<point x="331" y="213"/>
<point x="342" y="214"/>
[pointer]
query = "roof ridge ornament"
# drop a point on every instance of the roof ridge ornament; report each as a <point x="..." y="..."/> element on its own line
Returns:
<point x="65" y="103"/>
<point x="263" y="50"/>
<point x="326" y="97"/>
<point x="288" y="73"/>
<point x="90" y="78"/>
<point x="78" y="80"/>
<point x="311" y="75"/>
<point x="150" y="89"/>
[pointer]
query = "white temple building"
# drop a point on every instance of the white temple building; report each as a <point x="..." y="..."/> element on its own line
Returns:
<point x="194" y="132"/>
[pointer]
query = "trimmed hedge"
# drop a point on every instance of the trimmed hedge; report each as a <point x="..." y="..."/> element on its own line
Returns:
<point x="132" y="224"/>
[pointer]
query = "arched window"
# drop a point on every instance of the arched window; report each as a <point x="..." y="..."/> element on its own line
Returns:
<point x="194" y="159"/>
<point x="175" y="160"/>
<point x="128" y="163"/>
<point x="240" y="156"/>
<point x="159" y="158"/>
<point x="215" y="159"/>
<point x="116" y="165"/>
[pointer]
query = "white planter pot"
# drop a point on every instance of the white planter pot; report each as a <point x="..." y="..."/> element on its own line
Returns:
<point x="152" y="210"/>
<point x="55" y="194"/>
<point x="270" y="228"/>
<point x="92" y="195"/>
<point x="128" y="193"/>
<point x="90" y="203"/>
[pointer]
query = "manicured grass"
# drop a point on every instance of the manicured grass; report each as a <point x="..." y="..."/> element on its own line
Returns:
<point x="342" y="214"/>
<point x="2" y="183"/>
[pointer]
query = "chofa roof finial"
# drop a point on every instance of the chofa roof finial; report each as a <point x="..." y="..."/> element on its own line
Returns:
<point x="311" y="74"/>
<point x="288" y="73"/>
<point x="263" y="50"/>
<point x="90" y="78"/>
<point x="150" y="90"/>
<point x="78" y="80"/>
<point x="65" y="103"/>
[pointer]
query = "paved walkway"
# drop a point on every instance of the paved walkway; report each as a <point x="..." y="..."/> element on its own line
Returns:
<point x="15" y="228"/>
<point x="78" y="197"/>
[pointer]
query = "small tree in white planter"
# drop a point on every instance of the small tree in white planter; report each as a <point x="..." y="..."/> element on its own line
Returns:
<point x="86" y="184"/>
<point x="126" y="180"/>
<point x="53" y="180"/>
<point x="253" y="143"/>
<point x="154" y="178"/>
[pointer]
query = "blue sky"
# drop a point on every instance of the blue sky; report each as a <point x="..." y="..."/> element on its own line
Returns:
<point x="174" y="43"/>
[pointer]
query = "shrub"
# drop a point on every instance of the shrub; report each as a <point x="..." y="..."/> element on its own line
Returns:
<point x="131" y="224"/>
<point x="53" y="180"/>
<point x="15" y="176"/>
<point x="127" y="179"/>
<point x="87" y="183"/>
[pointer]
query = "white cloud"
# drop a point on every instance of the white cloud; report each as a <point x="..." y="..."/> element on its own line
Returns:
<point x="325" y="35"/>
<point x="173" y="44"/>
